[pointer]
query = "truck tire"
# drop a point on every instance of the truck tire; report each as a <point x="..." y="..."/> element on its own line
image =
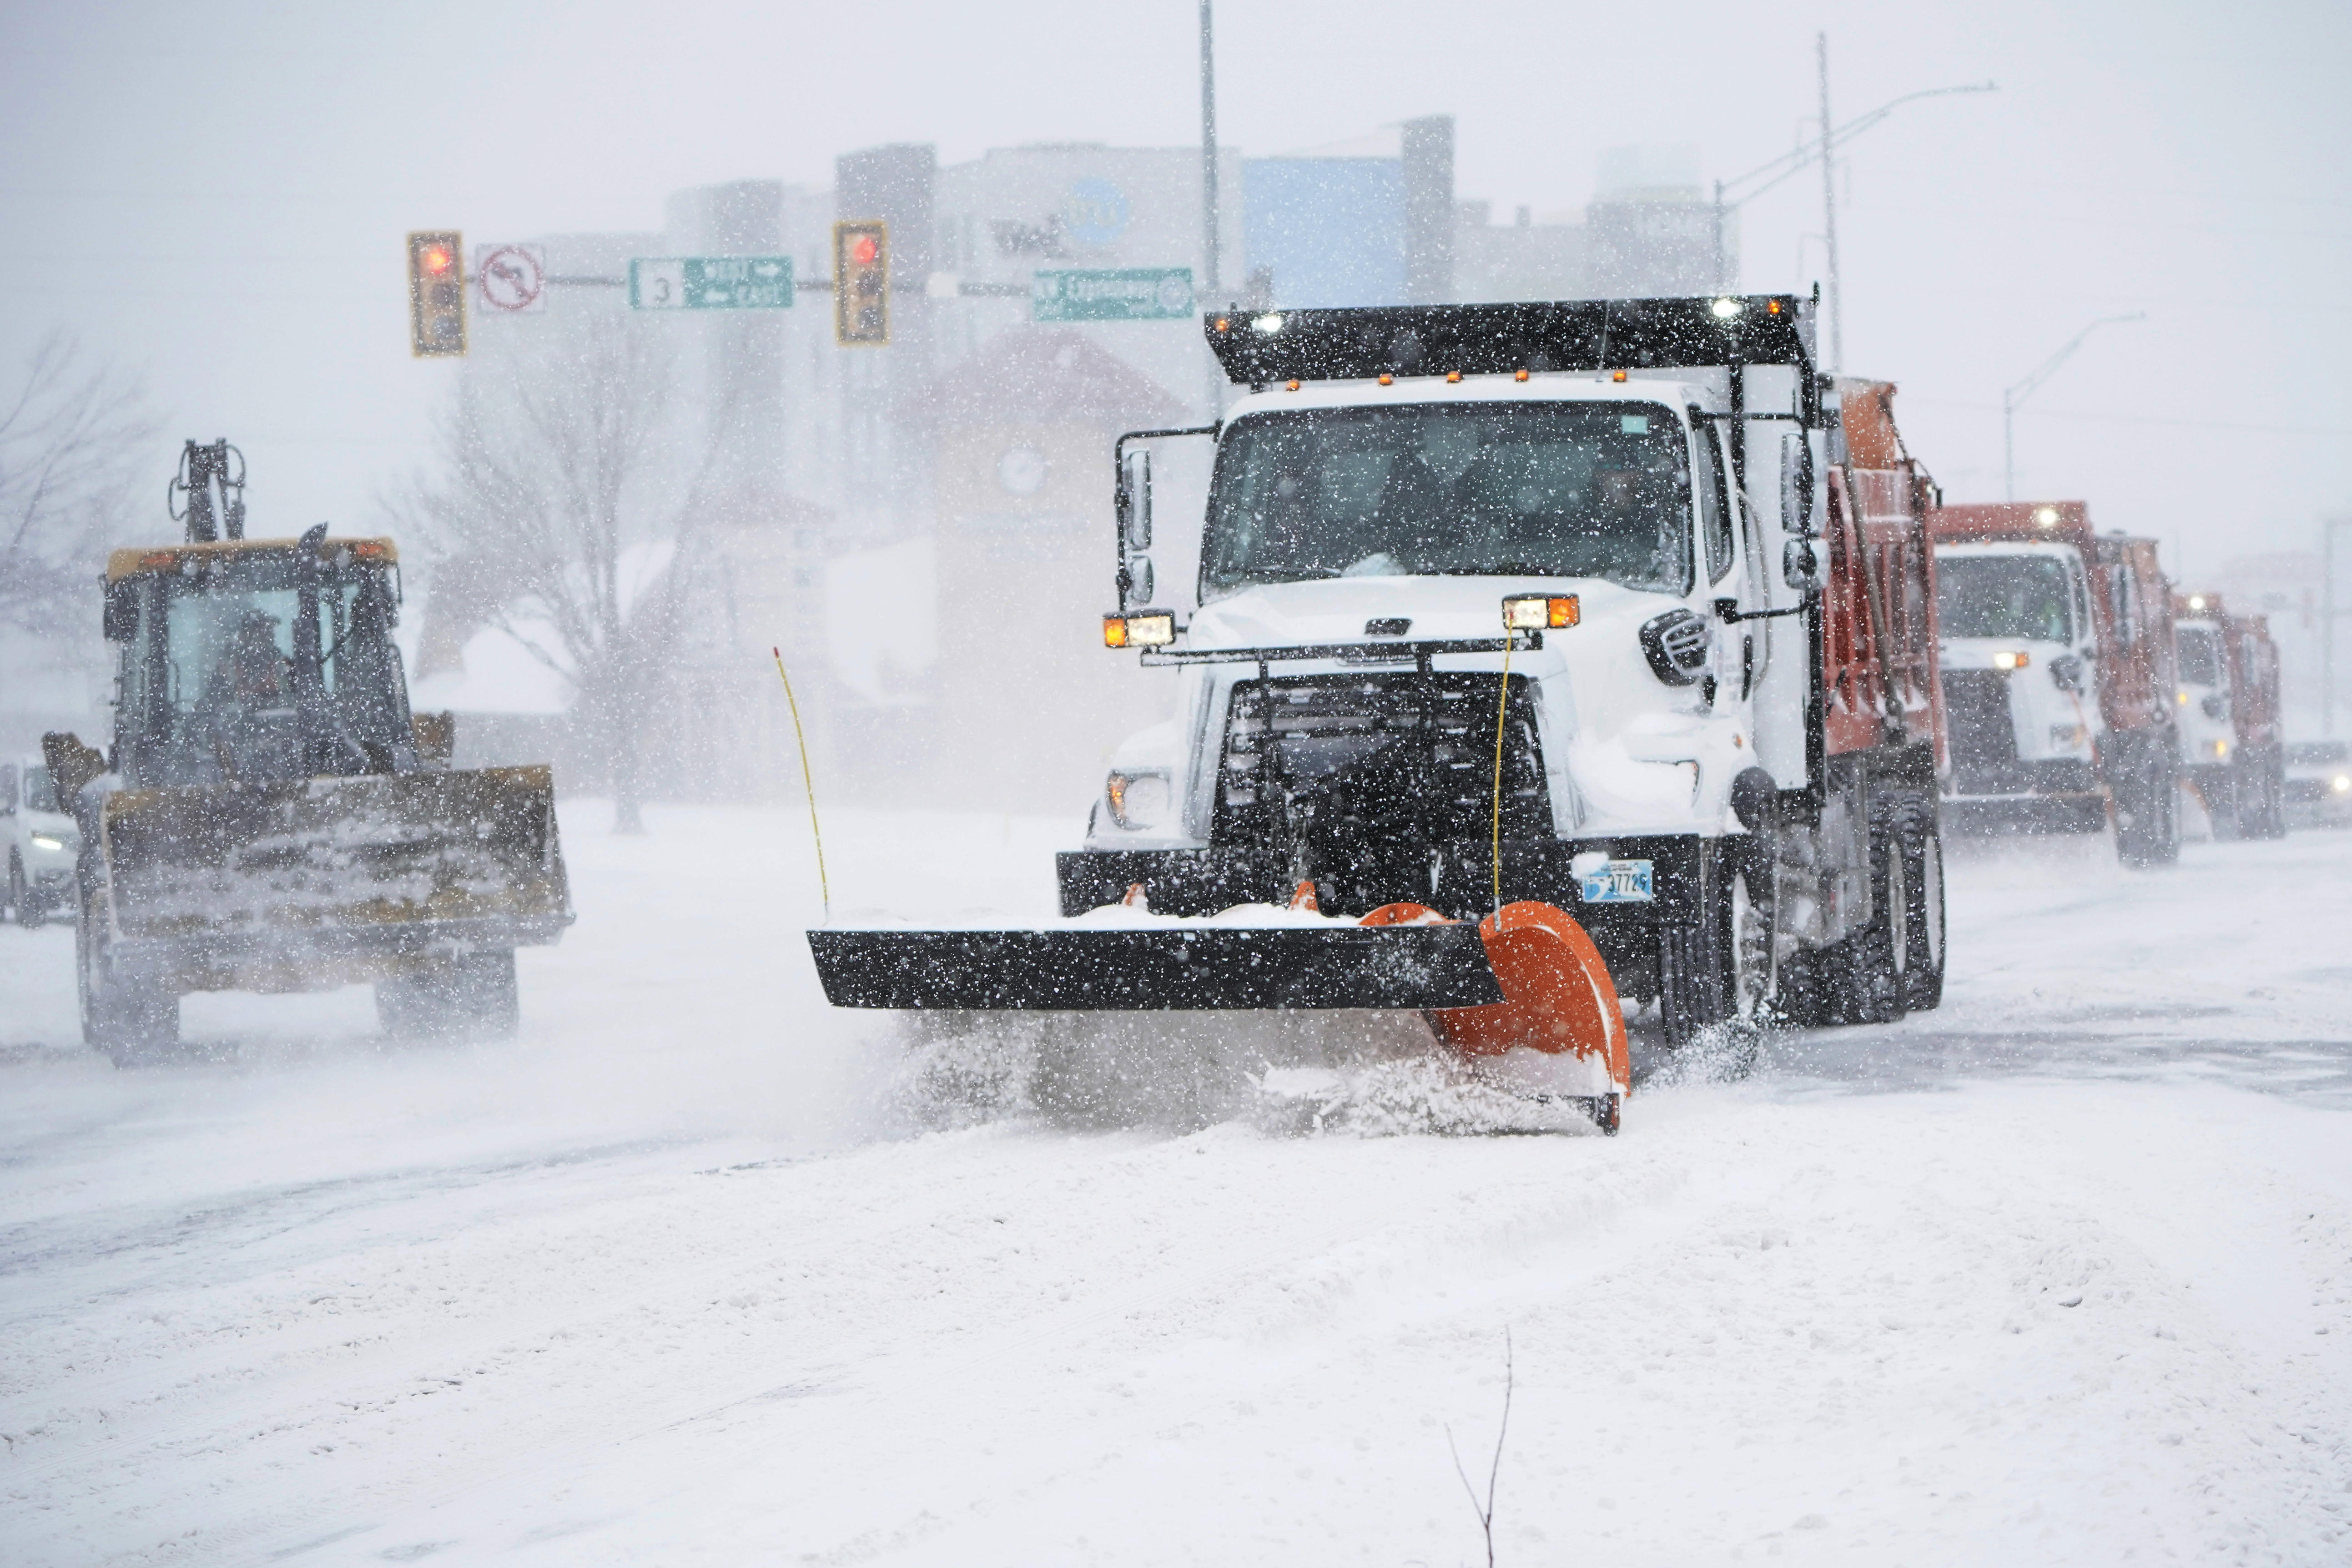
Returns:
<point x="16" y="887"/>
<point x="2267" y="792"/>
<point x="2148" y="813"/>
<point x="467" y="995"/>
<point x="132" y="1017"/>
<point x="1917" y="838"/>
<point x="1864" y="977"/>
<point x="1723" y="974"/>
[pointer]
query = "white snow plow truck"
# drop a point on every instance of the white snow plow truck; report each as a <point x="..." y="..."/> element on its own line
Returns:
<point x="271" y="816"/>
<point x="1534" y="655"/>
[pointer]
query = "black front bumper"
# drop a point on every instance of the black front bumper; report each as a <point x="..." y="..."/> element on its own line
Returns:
<point x="1158" y="968"/>
<point x="1194" y="883"/>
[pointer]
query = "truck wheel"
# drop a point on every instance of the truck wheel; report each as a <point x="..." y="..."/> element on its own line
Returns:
<point x="1923" y="915"/>
<point x="16" y="887"/>
<point x="1722" y="973"/>
<point x="2147" y="817"/>
<point x="129" y="1016"/>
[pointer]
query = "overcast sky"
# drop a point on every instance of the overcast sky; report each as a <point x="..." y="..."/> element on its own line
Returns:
<point x="215" y="194"/>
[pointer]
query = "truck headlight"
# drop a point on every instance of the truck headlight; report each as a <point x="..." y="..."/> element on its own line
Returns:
<point x="1138" y="800"/>
<point x="47" y="841"/>
<point x="2341" y="783"/>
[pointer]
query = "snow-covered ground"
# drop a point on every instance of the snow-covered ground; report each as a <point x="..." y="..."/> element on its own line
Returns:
<point x="2061" y="1273"/>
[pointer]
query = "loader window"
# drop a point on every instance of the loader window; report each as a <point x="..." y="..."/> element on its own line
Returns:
<point x="217" y="675"/>
<point x="2021" y="596"/>
<point x="1517" y="490"/>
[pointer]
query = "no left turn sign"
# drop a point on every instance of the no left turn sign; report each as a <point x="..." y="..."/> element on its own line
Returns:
<point x="511" y="278"/>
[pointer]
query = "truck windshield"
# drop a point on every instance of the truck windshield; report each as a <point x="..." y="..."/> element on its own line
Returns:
<point x="2024" y="596"/>
<point x="1519" y="490"/>
<point x="2200" y="657"/>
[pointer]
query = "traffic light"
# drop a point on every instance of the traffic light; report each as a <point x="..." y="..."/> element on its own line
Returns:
<point x="436" y="294"/>
<point x="861" y="283"/>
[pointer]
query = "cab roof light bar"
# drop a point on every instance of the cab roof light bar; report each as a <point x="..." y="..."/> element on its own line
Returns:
<point x="1367" y="342"/>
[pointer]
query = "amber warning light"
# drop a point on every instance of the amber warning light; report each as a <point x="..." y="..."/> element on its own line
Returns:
<point x="1541" y="612"/>
<point x="1152" y="629"/>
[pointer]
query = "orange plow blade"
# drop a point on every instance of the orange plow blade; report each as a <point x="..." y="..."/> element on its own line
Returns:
<point x="1558" y="996"/>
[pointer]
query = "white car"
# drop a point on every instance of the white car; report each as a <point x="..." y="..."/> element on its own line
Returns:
<point x="41" y="841"/>
<point x="2319" y="783"/>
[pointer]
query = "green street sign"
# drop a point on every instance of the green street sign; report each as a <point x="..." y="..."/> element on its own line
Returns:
<point x="1121" y="294"/>
<point x="711" y="283"/>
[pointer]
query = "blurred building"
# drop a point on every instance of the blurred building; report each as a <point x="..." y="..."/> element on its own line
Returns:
<point x="924" y="529"/>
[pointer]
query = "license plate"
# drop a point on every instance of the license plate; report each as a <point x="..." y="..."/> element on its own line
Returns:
<point x="1619" y="882"/>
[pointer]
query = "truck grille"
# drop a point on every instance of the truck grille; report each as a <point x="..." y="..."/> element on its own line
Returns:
<point x="1362" y="779"/>
<point x="1976" y="712"/>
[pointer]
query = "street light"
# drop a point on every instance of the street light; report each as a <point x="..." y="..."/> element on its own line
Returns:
<point x="2012" y="398"/>
<point x="1791" y="163"/>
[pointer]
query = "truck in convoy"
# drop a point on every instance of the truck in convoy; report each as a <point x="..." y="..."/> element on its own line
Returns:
<point x="270" y="816"/>
<point x="1607" y="624"/>
<point x="2233" y="753"/>
<point x="2057" y="672"/>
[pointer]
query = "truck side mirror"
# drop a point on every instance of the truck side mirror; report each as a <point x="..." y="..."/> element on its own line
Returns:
<point x="1800" y="567"/>
<point x="1136" y="576"/>
<point x="1796" y="483"/>
<point x="1135" y="503"/>
<point x="122" y="611"/>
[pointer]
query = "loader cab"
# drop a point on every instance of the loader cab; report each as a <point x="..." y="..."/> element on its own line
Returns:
<point x="254" y="661"/>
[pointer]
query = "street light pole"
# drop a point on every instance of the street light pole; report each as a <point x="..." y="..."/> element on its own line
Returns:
<point x="2012" y="398"/>
<point x="1829" y="210"/>
<point x="1789" y="164"/>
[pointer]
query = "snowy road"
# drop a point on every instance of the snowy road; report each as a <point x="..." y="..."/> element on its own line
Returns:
<point x="2061" y="1273"/>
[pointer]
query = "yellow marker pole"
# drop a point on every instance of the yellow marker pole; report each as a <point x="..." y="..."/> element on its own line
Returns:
<point x="800" y="738"/>
<point x="1502" y="704"/>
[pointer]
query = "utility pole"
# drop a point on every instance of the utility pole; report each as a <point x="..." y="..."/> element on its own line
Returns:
<point x="1828" y="212"/>
<point x="2012" y="398"/>
<point x="2328" y="614"/>
<point x="1730" y="195"/>
<point x="1210" y="284"/>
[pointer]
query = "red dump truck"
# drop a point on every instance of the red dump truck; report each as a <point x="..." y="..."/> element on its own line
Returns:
<point x="2057" y="673"/>
<point x="2233" y="751"/>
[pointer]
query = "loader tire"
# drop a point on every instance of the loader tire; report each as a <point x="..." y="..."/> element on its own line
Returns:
<point x="470" y="995"/>
<point x="132" y="1017"/>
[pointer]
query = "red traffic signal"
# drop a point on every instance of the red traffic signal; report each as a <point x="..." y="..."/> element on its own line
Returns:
<point x="436" y="294"/>
<point x="861" y="283"/>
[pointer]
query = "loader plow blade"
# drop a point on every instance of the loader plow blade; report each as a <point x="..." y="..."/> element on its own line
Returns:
<point x="1206" y="968"/>
<point x="335" y="856"/>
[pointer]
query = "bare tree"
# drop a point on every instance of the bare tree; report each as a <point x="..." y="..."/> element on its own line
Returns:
<point x="1485" y="1508"/>
<point x="75" y="442"/>
<point x="562" y="494"/>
